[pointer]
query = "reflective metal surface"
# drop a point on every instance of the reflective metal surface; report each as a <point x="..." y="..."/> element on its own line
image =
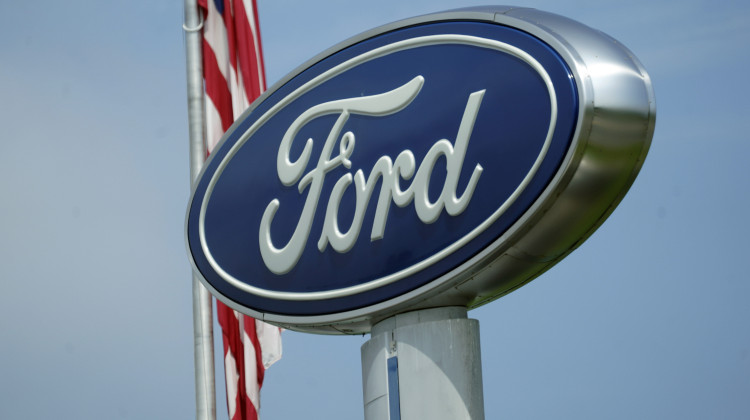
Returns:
<point x="615" y="124"/>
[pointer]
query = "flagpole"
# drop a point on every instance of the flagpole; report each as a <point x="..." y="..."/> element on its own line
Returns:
<point x="205" y="388"/>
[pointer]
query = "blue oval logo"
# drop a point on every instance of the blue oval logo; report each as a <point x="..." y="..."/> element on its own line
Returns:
<point x="381" y="167"/>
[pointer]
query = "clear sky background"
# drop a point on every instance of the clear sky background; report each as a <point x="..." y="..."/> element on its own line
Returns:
<point x="649" y="319"/>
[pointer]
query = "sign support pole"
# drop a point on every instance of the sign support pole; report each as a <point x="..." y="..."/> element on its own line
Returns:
<point x="424" y="364"/>
<point x="205" y="388"/>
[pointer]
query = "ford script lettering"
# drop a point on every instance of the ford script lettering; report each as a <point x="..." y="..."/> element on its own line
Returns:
<point x="282" y="260"/>
<point x="443" y="160"/>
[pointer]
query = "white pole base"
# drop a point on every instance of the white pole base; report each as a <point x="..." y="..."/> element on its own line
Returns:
<point x="424" y="364"/>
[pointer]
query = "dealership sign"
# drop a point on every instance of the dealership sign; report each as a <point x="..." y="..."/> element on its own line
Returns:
<point x="442" y="160"/>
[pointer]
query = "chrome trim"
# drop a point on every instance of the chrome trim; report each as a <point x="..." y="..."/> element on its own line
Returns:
<point x="617" y="115"/>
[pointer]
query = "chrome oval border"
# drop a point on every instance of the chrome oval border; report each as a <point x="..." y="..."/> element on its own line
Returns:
<point x="412" y="43"/>
<point x="579" y="46"/>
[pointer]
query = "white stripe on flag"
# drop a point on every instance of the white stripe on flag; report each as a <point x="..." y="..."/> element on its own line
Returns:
<point x="251" y="371"/>
<point x="215" y="35"/>
<point x="213" y="125"/>
<point x="232" y="378"/>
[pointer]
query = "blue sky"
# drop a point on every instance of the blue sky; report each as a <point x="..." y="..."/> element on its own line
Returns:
<point x="647" y="319"/>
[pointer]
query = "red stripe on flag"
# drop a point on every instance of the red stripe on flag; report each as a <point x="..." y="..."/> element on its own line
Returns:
<point x="250" y="51"/>
<point x="232" y="347"/>
<point x="216" y="87"/>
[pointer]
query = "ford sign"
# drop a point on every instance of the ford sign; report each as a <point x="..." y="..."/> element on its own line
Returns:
<point x="443" y="160"/>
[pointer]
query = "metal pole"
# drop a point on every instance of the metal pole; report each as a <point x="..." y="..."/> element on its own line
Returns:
<point x="423" y="365"/>
<point x="205" y="388"/>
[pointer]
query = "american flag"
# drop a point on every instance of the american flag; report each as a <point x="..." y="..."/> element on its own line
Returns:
<point x="234" y="76"/>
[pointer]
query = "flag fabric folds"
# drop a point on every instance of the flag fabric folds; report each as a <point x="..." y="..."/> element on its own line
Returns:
<point x="234" y="76"/>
